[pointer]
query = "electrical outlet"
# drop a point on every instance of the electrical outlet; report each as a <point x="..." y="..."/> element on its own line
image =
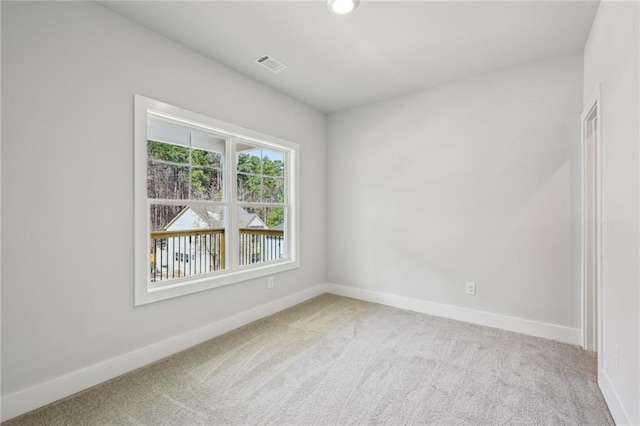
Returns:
<point x="270" y="282"/>
<point x="616" y="355"/>
<point x="471" y="289"/>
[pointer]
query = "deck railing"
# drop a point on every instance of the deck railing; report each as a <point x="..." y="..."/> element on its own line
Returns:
<point x="176" y="254"/>
<point x="260" y="245"/>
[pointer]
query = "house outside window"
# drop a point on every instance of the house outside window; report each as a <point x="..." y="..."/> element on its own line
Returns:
<point x="215" y="203"/>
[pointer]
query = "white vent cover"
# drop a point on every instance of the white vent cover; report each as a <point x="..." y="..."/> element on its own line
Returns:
<point x="270" y="63"/>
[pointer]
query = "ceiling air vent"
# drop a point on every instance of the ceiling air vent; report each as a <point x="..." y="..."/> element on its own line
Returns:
<point x="270" y="63"/>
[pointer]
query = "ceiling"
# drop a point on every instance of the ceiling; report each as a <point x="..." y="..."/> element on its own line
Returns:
<point x="383" y="49"/>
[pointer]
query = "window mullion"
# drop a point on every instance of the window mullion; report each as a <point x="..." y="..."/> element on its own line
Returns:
<point x="233" y="237"/>
<point x="289" y="197"/>
<point x="190" y="162"/>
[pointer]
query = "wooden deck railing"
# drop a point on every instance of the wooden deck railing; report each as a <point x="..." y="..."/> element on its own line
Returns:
<point x="176" y="254"/>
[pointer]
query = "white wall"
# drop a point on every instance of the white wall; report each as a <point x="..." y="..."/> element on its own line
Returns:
<point x="471" y="181"/>
<point x="69" y="72"/>
<point x="611" y="58"/>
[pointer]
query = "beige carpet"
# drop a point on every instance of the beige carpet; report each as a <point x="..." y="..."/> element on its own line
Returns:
<point x="334" y="361"/>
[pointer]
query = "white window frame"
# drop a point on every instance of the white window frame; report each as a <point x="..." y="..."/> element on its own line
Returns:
<point x="233" y="273"/>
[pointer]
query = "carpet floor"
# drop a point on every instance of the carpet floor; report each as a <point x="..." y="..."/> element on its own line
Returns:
<point x="334" y="361"/>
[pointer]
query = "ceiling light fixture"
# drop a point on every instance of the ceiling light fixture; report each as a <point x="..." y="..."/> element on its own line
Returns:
<point x="342" y="7"/>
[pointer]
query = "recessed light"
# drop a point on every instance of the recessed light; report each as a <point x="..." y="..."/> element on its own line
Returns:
<point x="342" y="7"/>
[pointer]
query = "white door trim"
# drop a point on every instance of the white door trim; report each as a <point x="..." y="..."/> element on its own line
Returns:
<point x="592" y="315"/>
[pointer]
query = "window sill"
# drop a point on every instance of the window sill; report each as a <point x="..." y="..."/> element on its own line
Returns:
<point x="147" y="295"/>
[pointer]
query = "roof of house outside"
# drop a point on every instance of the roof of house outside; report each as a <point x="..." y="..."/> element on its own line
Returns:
<point x="206" y="218"/>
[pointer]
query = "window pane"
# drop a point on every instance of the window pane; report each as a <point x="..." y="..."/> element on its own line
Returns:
<point x="260" y="174"/>
<point x="249" y="187"/>
<point x="262" y="237"/>
<point x="272" y="163"/>
<point x="185" y="241"/>
<point x="212" y="145"/>
<point x="167" y="152"/>
<point x="206" y="184"/>
<point x="209" y="159"/>
<point x="273" y="190"/>
<point x="161" y="131"/>
<point x="167" y="181"/>
<point x="176" y="173"/>
<point x="161" y="215"/>
<point x="248" y="159"/>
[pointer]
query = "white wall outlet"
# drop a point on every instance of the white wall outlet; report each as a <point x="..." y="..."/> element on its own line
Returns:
<point x="616" y="355"/>
<point x="471" y="289"/>
<point x="270" y="282"/>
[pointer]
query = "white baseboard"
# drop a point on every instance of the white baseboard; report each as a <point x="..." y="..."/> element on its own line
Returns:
<point x="520" y="325"/>
<point x="44" y="393"/>
<point x="616" y="407"/>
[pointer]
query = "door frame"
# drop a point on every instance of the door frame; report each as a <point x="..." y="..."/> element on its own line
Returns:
<point x="592" y="315"/>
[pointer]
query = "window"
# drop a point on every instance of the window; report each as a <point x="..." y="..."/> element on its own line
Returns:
<point x="215" y="203"/>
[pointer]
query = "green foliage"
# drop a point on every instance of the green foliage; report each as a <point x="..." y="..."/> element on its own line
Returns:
<point x="249" y="164"/>
<point x="275" y="217"/>
<point x="167" y="152"/>
<point x="160" y="151"/>
<point x="206" y="184"/>
<point x="260" y="179"/>
<point x="203" y="158"/>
